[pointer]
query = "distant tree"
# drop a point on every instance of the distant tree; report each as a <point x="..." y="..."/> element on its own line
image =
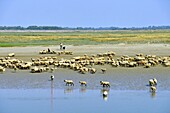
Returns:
<point x="81" y="28"/>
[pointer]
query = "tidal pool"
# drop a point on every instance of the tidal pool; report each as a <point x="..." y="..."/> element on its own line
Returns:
<point x="70" y="100"/>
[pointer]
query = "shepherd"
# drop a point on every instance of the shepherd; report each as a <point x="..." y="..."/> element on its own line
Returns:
<point x="61" y="46"/>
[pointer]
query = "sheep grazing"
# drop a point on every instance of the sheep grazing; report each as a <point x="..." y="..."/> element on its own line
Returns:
<point x="69" y="82"/>
<point x="103" y="70"/>
<point x="148" y="65"/>
<point x="83" y="70"/>
<point x="153" y="82"/>
<point x="15" y="68"/>
<point x="105" y="83"/>
<point x="11" y="54"/>
<point x="92" y="70"/>
<point x="52" y="69"/>
<point x="83" y="83"/>
<point x="52" y="77"/>
<point x="153" y="89"/>
<point x="35" y="70"/>
<point x="2" y="69"/>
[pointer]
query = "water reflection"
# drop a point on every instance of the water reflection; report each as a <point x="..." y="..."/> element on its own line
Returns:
<point x="105" y="93"/>
<point x="82" y="89"/>
<point x="153" y="94"/>
<point x="68" y="89"/>
<point x="21" y="101"/>
<point x="52" y="95"/>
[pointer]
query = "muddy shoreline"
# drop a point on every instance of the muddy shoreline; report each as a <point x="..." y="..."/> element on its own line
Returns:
<point x="121" y="78"/>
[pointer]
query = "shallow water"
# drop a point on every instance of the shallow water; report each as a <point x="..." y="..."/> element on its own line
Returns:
<point x="119" y="78"/>
<point x="84" y="101"/>
<point x="25" y="92"/>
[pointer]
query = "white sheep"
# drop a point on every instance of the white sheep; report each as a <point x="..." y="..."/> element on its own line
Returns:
<point x="153" y="89"/>
<point x="148" y="65"/>
<point x="15" y="68"/>
<point x="83" y="83"/>
<point x="105" y="83"/>
<point x="153" y="82"/>
<point x="11" y="54"/>
<point x="69" y="82"/>
<point x="52" y="77"/>
<point x="92" y="70"/>
<point x="2" y="69"/>
<point x="52" y="69"/>
<point x="103" y="70"/>
<point x="35" y="69"/>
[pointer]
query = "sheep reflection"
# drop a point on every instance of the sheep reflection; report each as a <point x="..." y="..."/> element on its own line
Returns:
<point x="105" y="93"/>
<point x="52" y="95"/>
<point x="82" y="89"/>
<point x="153" y="94"/>
<point x="68" y="89"/>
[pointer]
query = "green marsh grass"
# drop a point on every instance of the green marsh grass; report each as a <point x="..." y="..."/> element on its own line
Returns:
<point x="10" y="39"/>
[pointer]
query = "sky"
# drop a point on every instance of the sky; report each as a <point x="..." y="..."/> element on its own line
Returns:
<point x="85" y="13"/>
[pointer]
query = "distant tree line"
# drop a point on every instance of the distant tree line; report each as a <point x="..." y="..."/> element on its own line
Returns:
<point x="81" y="28"/>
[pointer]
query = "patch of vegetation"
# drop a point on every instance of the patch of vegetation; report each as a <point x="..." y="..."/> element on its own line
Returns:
<point x="9" y="39"/>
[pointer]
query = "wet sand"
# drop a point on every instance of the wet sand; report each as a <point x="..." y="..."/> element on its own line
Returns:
<point x="120" y="49"/>
<point x="25" y="92"/>
<point x="121" y="78"/>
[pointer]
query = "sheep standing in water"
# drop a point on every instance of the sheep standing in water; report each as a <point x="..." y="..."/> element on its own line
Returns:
<point x="52" y="77"/>
<point x="105" y="83"/>
<point x="153" y="89"/>
<point x="83" y="83"/>
<point x="69" y="82"/>
<point x="153" y="82"/>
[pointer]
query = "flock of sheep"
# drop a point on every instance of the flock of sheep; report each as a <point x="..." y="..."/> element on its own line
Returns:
<point x="105" y="84"/>
<point x="83" y="64"/>
<point x="49" y="51"/>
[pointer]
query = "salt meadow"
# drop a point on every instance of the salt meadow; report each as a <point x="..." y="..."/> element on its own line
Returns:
<point x="81" y="37"/>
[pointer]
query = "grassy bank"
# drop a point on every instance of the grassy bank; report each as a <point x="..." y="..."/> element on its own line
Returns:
<point x="9" y="39"/>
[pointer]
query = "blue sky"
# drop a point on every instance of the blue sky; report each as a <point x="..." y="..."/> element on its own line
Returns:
<point x="85" y="13"/>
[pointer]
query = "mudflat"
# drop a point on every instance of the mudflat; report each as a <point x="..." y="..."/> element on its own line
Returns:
<point x="119" y="49"/>
<point x="121" y="78"/>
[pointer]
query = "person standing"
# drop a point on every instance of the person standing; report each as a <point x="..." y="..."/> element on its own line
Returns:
<point x="61" y="46"/>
